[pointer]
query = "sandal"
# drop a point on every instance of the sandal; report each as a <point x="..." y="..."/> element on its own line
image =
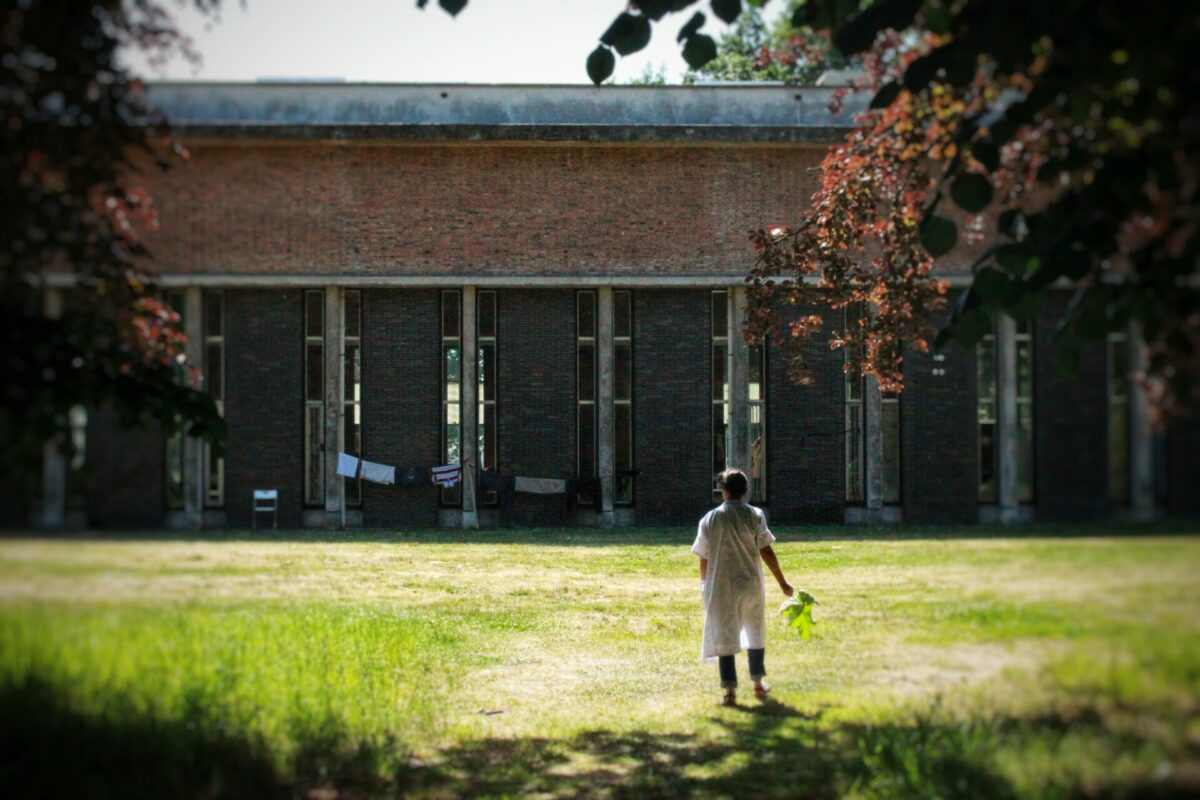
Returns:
<point x="761" y="692"/>
<point x="730" y="699"/>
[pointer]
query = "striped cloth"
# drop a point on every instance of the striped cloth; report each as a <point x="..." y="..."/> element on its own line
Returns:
<point x="446" y="476"/>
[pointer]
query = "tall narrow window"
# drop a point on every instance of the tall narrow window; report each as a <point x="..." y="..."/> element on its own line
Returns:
<point x="758" y="422"/>
<point x="314" y="397"/>
<point x="623" y="395"/>
<point x="986" y="413"/>
<point x="174" y="449"/>
<point x="488" y="432"/>
<point x="890" y="420"/>
<point x="214" y="384"/>
<point x="1118" y="418"/>
<point x="719" y="328"/>
<point x="585" y="387"/>
<point x="452" y="388"/>
<point x="1025" y="488"/>
<point x="855" y="429"/>
<point x="352" y="389"/>
<point x="988" y="416"/>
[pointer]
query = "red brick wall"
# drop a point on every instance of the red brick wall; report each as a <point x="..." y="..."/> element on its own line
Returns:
<point x="474" y="209"/>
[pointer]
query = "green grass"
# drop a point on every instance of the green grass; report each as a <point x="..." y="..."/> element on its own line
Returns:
<point x="564" y="663"/>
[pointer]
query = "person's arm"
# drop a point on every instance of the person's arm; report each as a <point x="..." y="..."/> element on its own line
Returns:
<point x="704" y="569"/>
<point x="768" y="557"/>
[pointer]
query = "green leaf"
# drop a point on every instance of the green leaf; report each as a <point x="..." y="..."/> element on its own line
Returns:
<point x="938" y="235"/>
<point x="727" y="10"/>
<point x="691" y="27"/>
<point x="627" y="34"/>
<point x="600" y="64"/>
<point x="972" y="192"/>
<point x="884" y="97"/>
<point x="452" y="7"/>
<point x="699" y="50"/>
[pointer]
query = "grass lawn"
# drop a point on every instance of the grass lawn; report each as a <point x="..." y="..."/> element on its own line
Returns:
<point x="1055" y="663"/>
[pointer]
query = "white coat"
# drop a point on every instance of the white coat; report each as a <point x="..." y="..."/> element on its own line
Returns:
<point x="730" y="537"/>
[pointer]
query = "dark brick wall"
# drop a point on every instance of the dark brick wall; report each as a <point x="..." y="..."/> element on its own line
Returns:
<point x="1070" y="424"/>
<point x="264" y="401"/>
<point x="1183" y="466"/>
<point x="536" y="395"/>
<point x="401" y="400"/>
<point x="939" y="457"/>
<point x="806" y="449"/>
<point x="672" y="427"/>
<point x="126" y="473"/>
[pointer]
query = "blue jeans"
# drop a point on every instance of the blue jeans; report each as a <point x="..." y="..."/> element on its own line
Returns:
<point x="728" y="670"/>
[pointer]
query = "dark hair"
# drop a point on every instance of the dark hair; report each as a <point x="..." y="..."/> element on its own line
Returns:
<point x="734" y="481"/>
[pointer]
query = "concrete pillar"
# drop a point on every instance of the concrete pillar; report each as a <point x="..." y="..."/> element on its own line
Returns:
<point x="873" y="441"/>
<point x="53" y="511"/>
<point x="1007" y="436"/>
<point x="335" y="406"/>
<point x="193" y="449"/>
<point x="1141" y="453"/>
<point x="468" y="418"/>
<point x="606" y="462"/>
<point x="737" y="448"/>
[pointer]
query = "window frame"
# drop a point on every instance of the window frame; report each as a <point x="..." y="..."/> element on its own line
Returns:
<point x="214" y="465"/>
<point x="450" y="497"/>
<point x="587" y="339"/>
<point x="623" y="340"/>
<point x="314" y="469"/>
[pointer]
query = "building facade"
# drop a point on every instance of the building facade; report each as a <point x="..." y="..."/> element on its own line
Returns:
<point x="548" y="282"/>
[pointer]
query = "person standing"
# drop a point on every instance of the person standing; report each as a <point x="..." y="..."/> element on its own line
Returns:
<point x="733" y="541"/>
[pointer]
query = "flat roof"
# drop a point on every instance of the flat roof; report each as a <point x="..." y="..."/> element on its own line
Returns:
<point x="481" y="112"/>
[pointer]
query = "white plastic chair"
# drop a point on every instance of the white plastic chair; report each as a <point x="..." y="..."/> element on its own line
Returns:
<point x="265" y="500"/>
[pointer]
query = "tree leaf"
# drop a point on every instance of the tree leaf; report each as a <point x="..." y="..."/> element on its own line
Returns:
<point x="971" y="191"/>
<point x="727" y="10"/>
<point x="884" y="97"/>
<point x="694" y="24"/>
<point x="452" y="7"/>
<point x="628" y="33"/>
<point x="600" y="64"/>
<point x="938" y="235"/>
<point x="699" y="50"/>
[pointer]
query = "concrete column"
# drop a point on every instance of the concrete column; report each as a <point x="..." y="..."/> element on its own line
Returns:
<point x="1141" y="453"/>
<point x="737" y="449"/>
<point x="873" y="441"/>
<point x="53" y="511"/>
<point x="335" y="383"/>
<point x="606" y="462"/>
<point x="1006" y="418"/>
<point x="468" y="419"/>
<point x="193" y="448"/>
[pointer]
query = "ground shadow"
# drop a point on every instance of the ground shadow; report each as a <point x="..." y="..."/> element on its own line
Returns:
<point x="47" y="750"/>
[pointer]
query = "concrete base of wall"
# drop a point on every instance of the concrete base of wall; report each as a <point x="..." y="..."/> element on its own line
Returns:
<point x="993" y="515"/>
<point x="212" y="519"/>
<point x="860" y="515"/>
<point x="329" y="520"/>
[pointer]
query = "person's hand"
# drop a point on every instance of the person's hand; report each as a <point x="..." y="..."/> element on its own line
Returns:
<point x="787" y="589"/>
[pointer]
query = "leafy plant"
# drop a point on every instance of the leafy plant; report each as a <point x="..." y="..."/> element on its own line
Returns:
<point x="799" y="612"/>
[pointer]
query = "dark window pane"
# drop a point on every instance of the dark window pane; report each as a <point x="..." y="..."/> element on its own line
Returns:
<point x="623" y="455"/>
<point x="450" y="327"/>
<point x="987" y="463"/>
<point x="587" y="441"/>
<point x="720" y="314"/>
<point x="622" y="314"/>
<point x="175" y="470"/>
<point x="586" y="319"/>
<point x="214" y="370"/>
<point x="488" y="438"/>
<point x="487" y="314"/>
<point x="891" y="452"/>
<point x="353" y="372"/>
<point x="1024" y="369"/>
<point x="1025" y="453"/>
<point x="718" y="429"/>
<point x="353" y="313"/>
<point x="314" y="313"/>
<point x="622" y="372"/>
<point x="314" y="493"/>
<point x="757" y="374"/>
<point x="1118" y="373"/>
<point x="214" y="314"/>
<point x="487" y="371"/>
<point x="1118" y="453"/>
<point x="854" y="456"/>
<point x="587" y="372"/>
<point x="718" y="372"/>
<point x="314" y="372"/>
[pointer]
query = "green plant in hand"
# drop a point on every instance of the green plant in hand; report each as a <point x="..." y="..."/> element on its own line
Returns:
<point x="799" y="612"/>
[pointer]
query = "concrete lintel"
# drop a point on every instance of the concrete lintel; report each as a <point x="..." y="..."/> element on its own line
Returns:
<point x="468" y="414"/>
<point x="606" y="410"/>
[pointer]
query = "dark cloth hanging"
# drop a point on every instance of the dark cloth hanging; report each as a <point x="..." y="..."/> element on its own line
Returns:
<point x="589" y="487"/>
<point x="491" y="481"/>
<point x="412" y="476"/>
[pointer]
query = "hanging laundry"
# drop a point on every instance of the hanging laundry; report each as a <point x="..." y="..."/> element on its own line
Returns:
<point x="412" y="476"/>
<point x="540" y="485"/>
<point x="378" y="473"/>
<point x="347" y="465"/>
<point x="492" y="482"/>
<point x="447" y="476"/>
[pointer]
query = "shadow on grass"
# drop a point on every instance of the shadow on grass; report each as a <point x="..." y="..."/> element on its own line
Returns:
<point x="640" y="536"/>
<point x="49" y="751"/>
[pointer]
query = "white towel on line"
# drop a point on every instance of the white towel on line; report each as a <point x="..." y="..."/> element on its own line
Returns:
<point x="378" y="473"/>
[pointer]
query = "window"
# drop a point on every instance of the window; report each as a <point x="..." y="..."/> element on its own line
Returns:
<point x="314" y="397"/>
<point x="174" y="445"/>
<point x="214" y="384"/>
<point x="76" y="488"/>
<point x="623" y="395"/>
<point x="452" y="389"/>
<point x="585" y="386"/>
<point x="719" y="309"/>
<point x="890" y="417"/>
<point x="987" y="411"/>
<point x="1118" y="418"/>
<point x="758" y="422"/>
<point x="856" y="472"/>
<point x="486" y="377"/>
<point x="352" y="389"/>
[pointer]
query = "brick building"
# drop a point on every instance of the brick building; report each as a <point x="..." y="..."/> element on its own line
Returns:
<point x="548" y="281"/>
